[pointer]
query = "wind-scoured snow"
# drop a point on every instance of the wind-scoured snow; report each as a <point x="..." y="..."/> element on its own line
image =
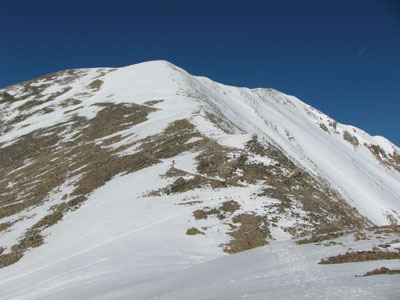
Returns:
<point x="122" y="244"/>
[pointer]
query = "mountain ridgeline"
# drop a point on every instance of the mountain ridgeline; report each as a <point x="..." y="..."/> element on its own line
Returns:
<point x="238" y="167"/>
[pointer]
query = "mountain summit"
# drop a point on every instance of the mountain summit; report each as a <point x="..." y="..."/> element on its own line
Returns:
<point x="146" y="169"/>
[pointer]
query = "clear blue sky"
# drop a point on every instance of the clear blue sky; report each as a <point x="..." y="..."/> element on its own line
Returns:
<point x="342" y="57"/>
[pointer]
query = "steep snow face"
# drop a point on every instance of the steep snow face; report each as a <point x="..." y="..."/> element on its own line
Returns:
<point x="340" y="153"/>
<point x="337" y="152"/>
<point x="147" y="170"/>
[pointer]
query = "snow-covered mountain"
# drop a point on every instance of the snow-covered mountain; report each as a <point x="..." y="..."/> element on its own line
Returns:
<point x="118" y="177"/>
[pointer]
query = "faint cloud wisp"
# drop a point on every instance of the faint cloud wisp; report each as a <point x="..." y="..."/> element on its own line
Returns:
<point x="361" y="51"/>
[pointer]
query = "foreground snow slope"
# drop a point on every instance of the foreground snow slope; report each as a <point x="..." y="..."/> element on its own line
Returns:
<point x="281" y="270"/>
<point x="278" y="271"/>
<point x="128" y="237"/>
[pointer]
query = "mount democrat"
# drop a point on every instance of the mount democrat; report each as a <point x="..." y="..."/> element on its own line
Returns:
<point x="115" y="178"/>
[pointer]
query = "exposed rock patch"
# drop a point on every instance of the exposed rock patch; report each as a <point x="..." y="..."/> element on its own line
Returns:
<point x="347" y="136"/>
<point x="380" y="271"/>
<point x="252" y="231"/>
<point x="360" y="256"/>
<point x="194" y="231"/>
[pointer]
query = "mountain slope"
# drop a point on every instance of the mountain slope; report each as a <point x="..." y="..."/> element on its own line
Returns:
<point x="148" y="169"/>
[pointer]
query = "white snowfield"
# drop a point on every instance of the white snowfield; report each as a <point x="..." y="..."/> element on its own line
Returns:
<point x="122" y="244"/>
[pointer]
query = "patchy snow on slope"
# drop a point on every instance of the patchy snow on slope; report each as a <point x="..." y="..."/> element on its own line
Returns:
<point x="125" y="243"/>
